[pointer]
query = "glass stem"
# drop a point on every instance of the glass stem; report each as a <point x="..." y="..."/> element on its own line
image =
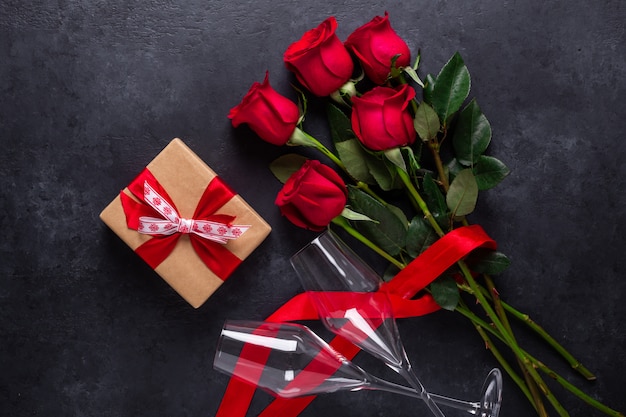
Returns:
<point x="379" y="384"/>
<point x="407" y="374"/>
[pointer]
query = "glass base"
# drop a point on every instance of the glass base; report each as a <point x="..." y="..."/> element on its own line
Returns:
<point x="491" y="397"/>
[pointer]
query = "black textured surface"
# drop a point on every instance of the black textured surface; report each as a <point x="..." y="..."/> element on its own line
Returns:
<point x="90" y="91"/>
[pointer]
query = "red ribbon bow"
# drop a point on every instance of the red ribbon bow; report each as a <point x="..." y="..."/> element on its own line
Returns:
<point x="435" y="260"/>
<point x="215" y="255"/>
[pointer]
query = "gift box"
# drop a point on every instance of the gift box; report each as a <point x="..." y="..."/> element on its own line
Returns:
<point x="185" y="222"/>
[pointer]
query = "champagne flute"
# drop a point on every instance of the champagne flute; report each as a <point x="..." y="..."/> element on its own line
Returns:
<point x="290" y="360"/>
<point x="344" y="290"/>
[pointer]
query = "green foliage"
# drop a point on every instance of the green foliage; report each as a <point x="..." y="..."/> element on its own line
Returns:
<point x="445" y="292"/>
<point x="489" y="172"/>
<point x="463" y="194"/>
<point x="384" y="173"/>
<point x="350" y="214"/>
<point x="472" y="134"/>
<point x="355" y="159"/>
<point x="284" y="166"/>
<point x="340" y="124"/>
<point x="388" y="231"/>
<point x="451" y="88"/>
<point x="433" y="196"/>
<point x="485" y="261"/>
<point x="394" y="155"/>
<point x="411" y="158"/>
<point x="426" y="122"/>
<point x="428" y="89"/>
<point x="419" y="236"/>
<point x="453" y="167"/>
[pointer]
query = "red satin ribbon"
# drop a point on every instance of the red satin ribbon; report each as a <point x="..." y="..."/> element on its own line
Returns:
<point x="441" y="255"/>
<point x="215" y="256"/>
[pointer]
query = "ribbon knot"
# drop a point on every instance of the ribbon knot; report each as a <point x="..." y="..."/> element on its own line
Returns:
<point x="185" y="225"/>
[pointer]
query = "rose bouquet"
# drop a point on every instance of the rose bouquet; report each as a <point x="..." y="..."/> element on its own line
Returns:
<point x="410" y="158"/>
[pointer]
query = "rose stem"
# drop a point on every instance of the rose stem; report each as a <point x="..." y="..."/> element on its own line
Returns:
<point x="481" y="298"/>
<point x="433" y="145"/>
<point x="579" y="367"/>
<point x="509" y="338"/>
<point x="465" y="311"/>
<point x="497" y="304"/>
<point x="534" y="390"/>
<point x="536" y="395"/>
<point x="525" y="318"/>
<point x="479" y="322"/>
<point x="567" y="385"/>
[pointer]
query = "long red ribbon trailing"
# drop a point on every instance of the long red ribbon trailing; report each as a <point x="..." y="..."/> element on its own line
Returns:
<point x="441" y="255"/>
<point x="154" y="251"/>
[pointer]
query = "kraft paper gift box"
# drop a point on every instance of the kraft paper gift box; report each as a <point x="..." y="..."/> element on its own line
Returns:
<point x="184" y="177"/>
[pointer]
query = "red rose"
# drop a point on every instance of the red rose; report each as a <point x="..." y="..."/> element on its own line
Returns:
<point x="312" y="196"/>
<point x="319" y="59"/>
<point x="270" y="115"/>
<point x="381" y="119"/>
<point x="375" y="44"/>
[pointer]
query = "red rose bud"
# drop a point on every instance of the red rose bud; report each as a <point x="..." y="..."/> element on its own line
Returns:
<point x="381" y="119"/>
<point x="312" y="196"/>
<point x="375" y="44"/>
<point x="270" y="115"/>
<point x="320" y="61"/>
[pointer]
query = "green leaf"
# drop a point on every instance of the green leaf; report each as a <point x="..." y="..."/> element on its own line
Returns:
<point x="340" y="124"/>
<point x="472" y="134"/>
<point x="486" y="261"/>
<point x="451" y="88"/>
<point x="389" y="233"/>
<point x="409" y="156"/>
<point x="413" y="74"/>
<point x="394" y="155"/>
<point x="453" y="167"/>
<point x="433" y="196"/>
<point x="390" y="272"/>
<point x="419" y="236"/>
<point x="426" y="122"/>
<point x="353" y="215"/>
<point x="284" y="166"/>
<point x="400" y="214"/>
<point x="428" y="89"/>
<point x="489" y="171"/>
<point x="354" y="157"/>
<point x="462" y="194"/>
<point x="386" y="177"/>
<point x="445" y="292"/>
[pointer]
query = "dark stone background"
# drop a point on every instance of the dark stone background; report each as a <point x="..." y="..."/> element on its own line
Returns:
<point x="92" y="90"/>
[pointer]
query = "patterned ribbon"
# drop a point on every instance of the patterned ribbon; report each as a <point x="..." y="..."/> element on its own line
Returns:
<point x="435" y="260"/>
<point x="172" y="223"/>
<point x="208" y="232"/>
